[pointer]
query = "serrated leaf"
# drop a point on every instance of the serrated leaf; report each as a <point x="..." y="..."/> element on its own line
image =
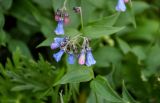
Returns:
<point x="126" y="96"/>
<point x="123" y="45"/>
<point x="99" y="31"/>
<point x="101" y="87"/>
<point x="77" y="76"/>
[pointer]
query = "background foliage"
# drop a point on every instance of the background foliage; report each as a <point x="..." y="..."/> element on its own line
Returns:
<point x="126" y="47"/>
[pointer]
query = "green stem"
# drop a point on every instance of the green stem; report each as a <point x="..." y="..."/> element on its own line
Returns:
<point x="64" y="4"/>
<point x="81" y="16"/>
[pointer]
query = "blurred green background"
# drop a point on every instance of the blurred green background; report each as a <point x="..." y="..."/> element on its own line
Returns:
<point x="125" y="45"/>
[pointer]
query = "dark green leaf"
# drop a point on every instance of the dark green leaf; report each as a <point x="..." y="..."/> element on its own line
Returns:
<point x="126" y="96"/>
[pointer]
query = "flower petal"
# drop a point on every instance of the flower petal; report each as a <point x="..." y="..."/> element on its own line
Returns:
<point x="58" y="55"/>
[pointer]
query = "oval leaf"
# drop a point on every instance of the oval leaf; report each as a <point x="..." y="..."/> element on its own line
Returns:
<point x="77" y="76"/>
<point x="101" y="87"/>
<point x="99" y="31"/>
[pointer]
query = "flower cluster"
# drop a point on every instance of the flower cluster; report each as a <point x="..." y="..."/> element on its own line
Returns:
<point x="62" y="17"/>
<point x="69" y="46"/>
<point x="121" y="5"/>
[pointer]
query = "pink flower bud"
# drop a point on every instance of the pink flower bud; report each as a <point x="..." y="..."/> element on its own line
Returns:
<point x="66" y="20"/>
<point x="126" y="1"/>
<point x="57" y="18"/>
<point x="81" y="60"/>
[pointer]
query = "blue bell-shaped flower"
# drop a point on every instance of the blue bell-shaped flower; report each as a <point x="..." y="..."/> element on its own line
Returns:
<point x="71" y="58"/>
<point x="57" y="42"/>
<point x="58" y="55"/>
<point x="121" y="6"/>
<point x="89" y="58"/>
<point x="54" y="45"/>
<point x="59" y="29"/>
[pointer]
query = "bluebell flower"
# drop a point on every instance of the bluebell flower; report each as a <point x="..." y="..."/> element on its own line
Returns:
<point x="82" y="57"/>
<point x="59" y="29"/>
<point x="71" y="58"/>
<point x="54" y="46"/>
<point x="121" y="6"/>
<point x="89" y="58"/>
<point x="58" y="55"/>
<point x="57" y="42"/>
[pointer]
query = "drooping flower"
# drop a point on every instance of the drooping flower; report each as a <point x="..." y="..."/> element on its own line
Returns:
<point x="59" y="29"/>
<point x="89" y="58"/>
<point x="66" y="18"/>
<point x="121" y="6"/>
<point x="54" y="45"/>
<point x="71" y="58"/>
<point x="58" y="55"/>
<point x="126" y="1"/>
<point x="57" y="42"/>
<point x="82" y="57"/>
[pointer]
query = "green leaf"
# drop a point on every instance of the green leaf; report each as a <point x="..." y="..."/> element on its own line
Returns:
<point x="5" y="4"/>
<point x="77" y="76"/>
<point x="106" y="21"/>
<point x="46" y="25"/>
<point x="123" y="45"/>
<point x="99" y="31"/>
<point x="146" y="30"/>
<point x="27" y="87"/>
<point x="101" y="87"/>
<point x="44" y="3"/>
<point x="20" y="12"/>
<point x="99" y="3"/>
<point x="126" y="96"/>
<point x="3" y="37"/>
<point x="1" y="20"/>
<point x="139" y="52"/>
<point x="46" y="42"/>
<point x="107" y="55"/>
<point x="14" y="44"/>
<point x="94" y="98"/>
<point x="72" y="32"/>
<point x="152" y="61"/>
<point x="139" y="6"/>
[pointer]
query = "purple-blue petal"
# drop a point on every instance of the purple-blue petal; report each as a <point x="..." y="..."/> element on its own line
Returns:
<point x="55" y="45"/>
<point x="58" y="55"/>
<point x="71" y="59"/>
<point x="89" y="58"/>
<point x="121" y="6"/>
<point x="58" y="40"/>
<point x="59" y="29"/>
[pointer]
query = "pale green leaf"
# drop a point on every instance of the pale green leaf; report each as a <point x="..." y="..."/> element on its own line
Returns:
<point x="106" y="21"/>
<point x="77" y="76"/>
<point x="101" y="87"/>
<point x="123" y="46"/>
<point x="99" y="31"/>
